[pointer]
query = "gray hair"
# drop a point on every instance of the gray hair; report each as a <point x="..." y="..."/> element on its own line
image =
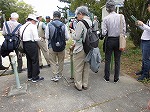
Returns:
<point x="83" y="10"/>
<point x="110" y="5"/>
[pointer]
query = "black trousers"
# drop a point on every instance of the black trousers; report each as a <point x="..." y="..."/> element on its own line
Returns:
<point x="112" y="45"/>
<point x="0" y="57"/>
<point x="31" y="51"/>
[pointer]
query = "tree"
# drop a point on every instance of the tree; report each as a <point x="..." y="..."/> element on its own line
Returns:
<point x="139" y="10"/>
<point x="9" y="6"/>
<point x="93" y="5"/>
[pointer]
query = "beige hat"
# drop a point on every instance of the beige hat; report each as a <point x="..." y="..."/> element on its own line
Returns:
<point x="32" y="16"/>
<point x="14" y="15"/>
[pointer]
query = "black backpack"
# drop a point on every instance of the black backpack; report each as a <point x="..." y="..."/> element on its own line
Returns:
<point x="58" y="42"/>
<point x="11" y="41"/>
<point x="91" y="39"/>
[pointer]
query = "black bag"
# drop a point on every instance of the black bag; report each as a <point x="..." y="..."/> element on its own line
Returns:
<point x="20" y="46"/>
<point x="58" y="42"/>
<point x="91" y="39"/>
<point x="11" y="41"/>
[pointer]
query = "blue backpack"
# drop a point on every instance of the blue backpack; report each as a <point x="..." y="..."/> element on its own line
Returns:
<point x="58" y="42"/>
<point x="11" y="41"/>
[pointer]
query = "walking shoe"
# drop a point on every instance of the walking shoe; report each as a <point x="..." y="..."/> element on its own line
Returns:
<point x="142" y="77"/>
<point x="77" y="88"/>
<point x="106" y="79"/>
<point x="116" y="81"/>
<point x="41" y="66"/>
<point x="58" y="76"/>
<point x="55" y="79"/>
<point x="29" y="79"/>
<point x="3" y="68"/>
<point x="85" y="88"/>
<point x="139" y="73"/>
<point x="39" y="79"/>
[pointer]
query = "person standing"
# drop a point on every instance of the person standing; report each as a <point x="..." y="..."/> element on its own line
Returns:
<point x="111" y="28"/>
<point x="57" y="55"/>
<point x="30" y="38"/>
<point x="95" y="24"/>
<point x="48" y="19"/>
<point x="81" y="68"/>
<point x="145" y="44"/>
<point x="12" y="24"/>
<point x="42" y="43"/>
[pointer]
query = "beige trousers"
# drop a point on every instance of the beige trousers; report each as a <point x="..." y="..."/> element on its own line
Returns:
<point x="57" y="61"/>
<point x="43" y="47"/>
<point x="81" y="70"/>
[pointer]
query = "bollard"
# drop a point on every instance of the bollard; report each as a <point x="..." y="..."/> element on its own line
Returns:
<point x="71" y="61"/>
<point x="13" y="61"/>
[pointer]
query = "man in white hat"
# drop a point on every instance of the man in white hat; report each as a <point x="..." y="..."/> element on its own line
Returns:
<point x="12" y="24"/>
<point x="42" y="43"/>
<point x="30" y="38"/>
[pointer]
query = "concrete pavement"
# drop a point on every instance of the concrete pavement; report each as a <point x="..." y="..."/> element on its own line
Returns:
<point x="46" y="96"/>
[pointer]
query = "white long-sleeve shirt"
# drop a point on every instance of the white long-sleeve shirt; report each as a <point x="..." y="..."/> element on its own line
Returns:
<point x="30" y="33"/>
<point x="146" y="33"/>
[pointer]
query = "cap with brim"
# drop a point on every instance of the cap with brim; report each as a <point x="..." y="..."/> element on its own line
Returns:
<point x="47" y="17"/>
<point x="32" y="16"/>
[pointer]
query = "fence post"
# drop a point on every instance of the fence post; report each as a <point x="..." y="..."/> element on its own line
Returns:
<point x="13" y="61"/>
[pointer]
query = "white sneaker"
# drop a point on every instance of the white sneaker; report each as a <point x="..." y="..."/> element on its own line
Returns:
<point x="55" y="79"/>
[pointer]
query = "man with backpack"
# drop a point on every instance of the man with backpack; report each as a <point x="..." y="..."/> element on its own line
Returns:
<point x="81" y="68"/>
<point x="8" y="28"/>
<point x="56" y="32"/>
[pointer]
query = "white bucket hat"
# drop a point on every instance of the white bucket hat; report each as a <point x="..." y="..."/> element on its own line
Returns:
<point x="14" y="15"/>
<point x="32" y="16"/>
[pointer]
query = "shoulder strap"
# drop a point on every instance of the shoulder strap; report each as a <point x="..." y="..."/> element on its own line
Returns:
<point x="38" y="24"/>
<point x="56" y="25"/>
<point x="23" y="32"/>
<point x="16" y="29"/>
<point x="7" y="27"/>
<point x="121" y="25"/>
<point x="85" y="23"/>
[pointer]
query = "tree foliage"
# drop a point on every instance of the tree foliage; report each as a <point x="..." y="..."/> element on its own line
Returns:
<point x="93" y="5"/>
<point x="9" y="6"/>
<point x="139" y="10"/>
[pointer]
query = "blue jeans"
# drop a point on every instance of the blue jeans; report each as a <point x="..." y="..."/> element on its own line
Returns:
<point x="145" y="44"/>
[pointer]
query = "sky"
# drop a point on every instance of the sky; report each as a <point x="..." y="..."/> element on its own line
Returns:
<point x="45" y="7"/>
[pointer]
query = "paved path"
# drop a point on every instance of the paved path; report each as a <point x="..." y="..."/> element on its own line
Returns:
<point x="46" y="96"/>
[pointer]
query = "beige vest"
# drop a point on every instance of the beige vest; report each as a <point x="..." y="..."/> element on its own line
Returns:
<point x="41" y="32"/>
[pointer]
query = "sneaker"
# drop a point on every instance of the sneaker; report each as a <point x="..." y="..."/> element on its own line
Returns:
<point x="39" y="79"/>
<point x="3" y="67"/>
<point x="116" y="81"/>
<point x="58" y="76"/>
<point x="142" y="77"/>
<point x="55" y="79"/>
<point x="41" y="66"/>
<point x="139" y="73"/>
<point x="29" y="79"/>
<point x="106" y="79"/>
